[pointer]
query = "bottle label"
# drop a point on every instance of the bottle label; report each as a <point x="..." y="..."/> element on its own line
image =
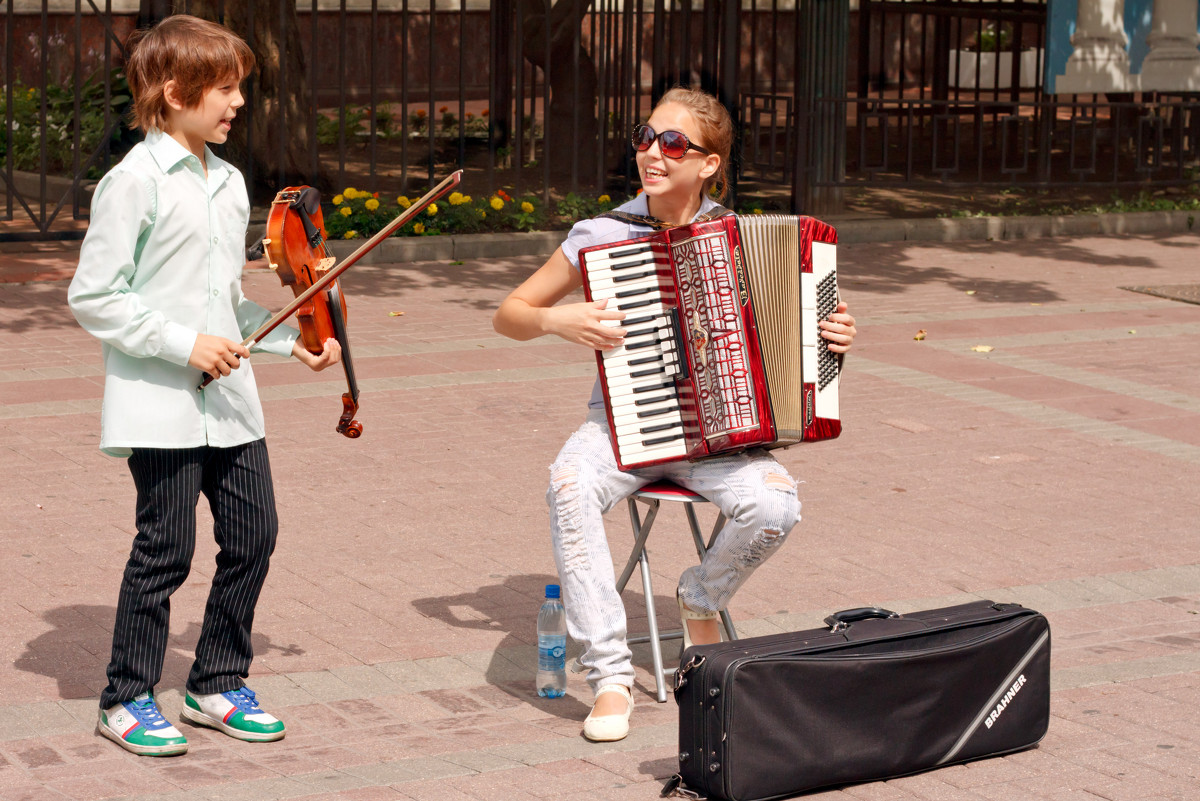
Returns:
<point x="552" y="652"/>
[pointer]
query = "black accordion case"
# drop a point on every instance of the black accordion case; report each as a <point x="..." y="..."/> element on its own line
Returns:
<point x="875" y="696"/>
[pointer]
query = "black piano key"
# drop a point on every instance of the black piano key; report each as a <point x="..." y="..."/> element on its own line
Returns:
<point x="630" y="251"/>
<point x="660" y="427"/>
<point x="655" y="412"/>
<point x="649" y="318"/>
<point x="644" y="360"/>
<point x="648" y="401"/>
<point x="640" y="332"/>
<point x="649" y="371"/>
<point x="654" y="387"/>
<point x="661" y="440"/>
<point x="620" y="279"/>
<point x="629" y="293"/>
<point x="636" y="263"/>
<point x="647" y="344"/>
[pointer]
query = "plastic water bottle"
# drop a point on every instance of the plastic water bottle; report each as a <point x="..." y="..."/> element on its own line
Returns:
<point x="552" y="646"/>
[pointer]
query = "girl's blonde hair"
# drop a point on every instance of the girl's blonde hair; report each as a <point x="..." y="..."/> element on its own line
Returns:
<point x="716" y="132"/>
<point x="195" y="53"/>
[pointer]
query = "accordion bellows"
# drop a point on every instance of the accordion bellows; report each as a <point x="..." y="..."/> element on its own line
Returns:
<point x="722" y="351"/>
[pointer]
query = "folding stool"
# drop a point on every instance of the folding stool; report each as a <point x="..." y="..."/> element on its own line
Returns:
<point x="652" y="495"/>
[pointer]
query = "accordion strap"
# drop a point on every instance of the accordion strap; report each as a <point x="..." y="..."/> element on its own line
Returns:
<point x="659" y="225"/>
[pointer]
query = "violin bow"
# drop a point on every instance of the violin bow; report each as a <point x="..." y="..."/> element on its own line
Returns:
<point x="320" y="284"/>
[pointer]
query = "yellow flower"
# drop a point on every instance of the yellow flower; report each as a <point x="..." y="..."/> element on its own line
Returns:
<point x="496" y="203"/>
<point x="345" y="211"/>
<point x="337" y="200"/>
<point x="456" y="199"/>
<point x="349" y="234"/>
<point x="604" y="199"/>
<point x="758" y="211"/>
<point x="403" y="202"/>
<point x="372" y="204"/>
<point x="419" y="228"/>
<point x="527" y="207"/>
<point x="432" y="210"/>
<point x="350" y="192"/>
<point x="466" y="199"/>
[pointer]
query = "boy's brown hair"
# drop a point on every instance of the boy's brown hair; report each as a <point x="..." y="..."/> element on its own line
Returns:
<point x="716" y="131"/>
<point x="194" y="53"/>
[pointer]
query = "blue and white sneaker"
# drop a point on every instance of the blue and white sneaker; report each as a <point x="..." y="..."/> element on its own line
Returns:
<point x="235" y="713"/>
<point x="139" y="727"/>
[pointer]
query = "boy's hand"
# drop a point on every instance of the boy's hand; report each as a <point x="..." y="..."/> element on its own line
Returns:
<point x="838" y="329"/>
<point x="217" y="356"/>
<point x="331" y="354"/>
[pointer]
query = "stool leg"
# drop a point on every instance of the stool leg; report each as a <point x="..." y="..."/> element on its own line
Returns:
<point x="641" y="531"/>
<point x="652" y="623"/>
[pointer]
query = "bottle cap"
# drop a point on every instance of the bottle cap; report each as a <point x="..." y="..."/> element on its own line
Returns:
<point x="552" y="591"/>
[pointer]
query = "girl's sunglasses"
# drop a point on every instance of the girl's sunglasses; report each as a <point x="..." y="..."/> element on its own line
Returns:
<point x="673" y="144"/>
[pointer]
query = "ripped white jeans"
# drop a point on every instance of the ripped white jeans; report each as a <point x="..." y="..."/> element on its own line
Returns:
<point x="754" y="491"/>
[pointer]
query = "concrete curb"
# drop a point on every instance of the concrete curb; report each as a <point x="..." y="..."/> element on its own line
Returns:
<point x="851" y="231"/>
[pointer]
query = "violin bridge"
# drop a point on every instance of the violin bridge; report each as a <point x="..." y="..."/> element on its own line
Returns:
<point x="324" y="264"/>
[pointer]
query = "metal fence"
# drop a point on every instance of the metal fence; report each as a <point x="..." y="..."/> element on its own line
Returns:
<point x="539" y="97"/>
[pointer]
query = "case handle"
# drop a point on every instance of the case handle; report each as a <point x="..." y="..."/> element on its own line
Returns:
<point x="839" y="621"/>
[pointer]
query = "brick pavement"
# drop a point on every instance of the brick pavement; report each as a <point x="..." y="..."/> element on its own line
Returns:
<point x="395" y="632"/>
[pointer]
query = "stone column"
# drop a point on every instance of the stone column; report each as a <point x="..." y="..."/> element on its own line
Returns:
<point x="1099" y="62"/>
<point x="1173" y="63"/>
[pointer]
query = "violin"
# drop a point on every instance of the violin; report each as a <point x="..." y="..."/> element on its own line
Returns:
<point x="295" y="249"/>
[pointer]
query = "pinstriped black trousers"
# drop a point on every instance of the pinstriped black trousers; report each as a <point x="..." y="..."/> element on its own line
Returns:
<point x="237" y="484"/>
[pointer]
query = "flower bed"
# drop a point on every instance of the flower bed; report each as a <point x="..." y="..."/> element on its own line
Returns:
<point x="357" y="213"/>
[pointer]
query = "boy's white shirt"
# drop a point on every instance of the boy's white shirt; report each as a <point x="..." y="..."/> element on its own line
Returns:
<point x="162" y="262"/>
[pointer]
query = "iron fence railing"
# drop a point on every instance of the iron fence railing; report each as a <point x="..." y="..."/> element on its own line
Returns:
<point x="538" y="97"/>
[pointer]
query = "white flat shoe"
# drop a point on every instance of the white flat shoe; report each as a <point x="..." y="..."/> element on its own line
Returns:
<point x="609" y="728"/>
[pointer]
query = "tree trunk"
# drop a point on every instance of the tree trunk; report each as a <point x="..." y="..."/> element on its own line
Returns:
<point x="572" y="129"/>
<point x="272" y="141"/>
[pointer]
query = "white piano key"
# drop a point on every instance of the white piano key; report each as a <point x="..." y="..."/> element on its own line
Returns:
<point x="631" y="413"/>
<point x="668" y="363"/>
<point x="646" y="288"/>
<point x="636" y="426"/>
<point x="640" y="439"/>
<point x="632" y="454"/>
<point x="607" y="267"/>
<point x="636" y="278"/>
<point x="627" y="403"/>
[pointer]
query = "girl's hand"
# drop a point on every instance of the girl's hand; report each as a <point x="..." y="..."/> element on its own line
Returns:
<point x="588" y="324"/>
<point x="839" y="329"/>
<point x="330" y="355"/>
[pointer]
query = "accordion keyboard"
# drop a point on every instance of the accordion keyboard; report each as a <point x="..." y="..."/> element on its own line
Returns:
<point x="640" y="374"/>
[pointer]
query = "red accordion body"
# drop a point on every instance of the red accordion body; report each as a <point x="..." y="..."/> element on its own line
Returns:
<point x="722" y="351"/>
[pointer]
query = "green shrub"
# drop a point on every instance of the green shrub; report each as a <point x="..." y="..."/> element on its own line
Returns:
<point x="23" y="141"/>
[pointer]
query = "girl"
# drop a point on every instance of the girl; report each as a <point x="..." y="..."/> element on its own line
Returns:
<point x="682" y="155"/>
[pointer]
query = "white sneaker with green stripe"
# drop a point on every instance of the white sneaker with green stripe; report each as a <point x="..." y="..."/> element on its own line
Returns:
<point x="235" y="713"/>
<point x="139" y="727"/>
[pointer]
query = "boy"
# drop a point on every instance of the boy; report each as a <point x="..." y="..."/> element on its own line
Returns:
<point x="159" y="283"/>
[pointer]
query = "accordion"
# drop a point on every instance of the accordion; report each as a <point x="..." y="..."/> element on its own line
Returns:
<point x="722" y="351"/>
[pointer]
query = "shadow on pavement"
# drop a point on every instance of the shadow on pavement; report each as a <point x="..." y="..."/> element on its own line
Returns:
<point x="75" y="651"/>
